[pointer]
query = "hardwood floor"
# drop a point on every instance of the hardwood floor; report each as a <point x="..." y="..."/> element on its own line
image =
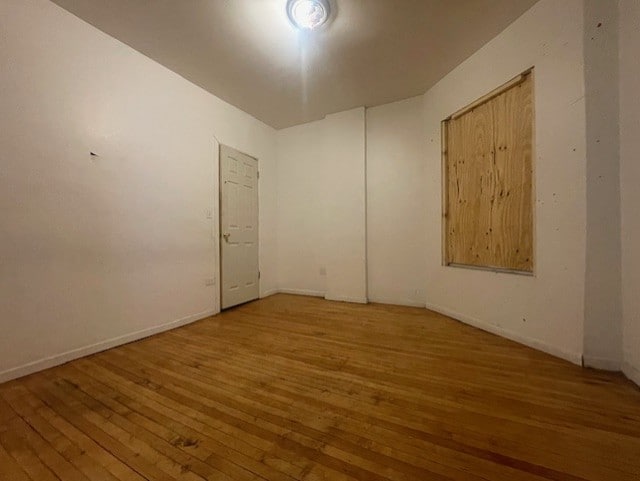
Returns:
<point x="293" y="388"/>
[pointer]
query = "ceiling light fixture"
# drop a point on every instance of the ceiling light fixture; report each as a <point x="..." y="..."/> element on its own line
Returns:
<point x="308" y="14"/>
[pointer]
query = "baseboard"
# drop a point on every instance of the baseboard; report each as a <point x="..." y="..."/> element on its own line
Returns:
<point x="575" y="358"/>
<point x="312" y="293"/>
<point x="301" y="292"/>
<point x="601" y="363"/>
<point x="397" y="302"/>
<point x="355" y="300"/>
<point x="268" y="293"/>
<point x="632" y="373"/>
<point x="65" y="357"/>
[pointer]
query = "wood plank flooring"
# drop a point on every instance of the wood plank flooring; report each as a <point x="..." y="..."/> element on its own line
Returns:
<point x="293" y="388"/>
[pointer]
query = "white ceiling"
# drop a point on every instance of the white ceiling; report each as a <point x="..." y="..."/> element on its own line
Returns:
<point x="247" y="53"/>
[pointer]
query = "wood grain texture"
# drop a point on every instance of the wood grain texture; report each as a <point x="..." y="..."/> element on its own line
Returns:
<point x="488" y="184"/>
<point x="294" y="388"/>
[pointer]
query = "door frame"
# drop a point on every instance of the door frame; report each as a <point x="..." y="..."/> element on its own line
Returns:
<point x="218" y="225"/>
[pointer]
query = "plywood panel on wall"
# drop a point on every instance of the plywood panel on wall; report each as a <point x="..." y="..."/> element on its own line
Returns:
<point x="488" y="205"/>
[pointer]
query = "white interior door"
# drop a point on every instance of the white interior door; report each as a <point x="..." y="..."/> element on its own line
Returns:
<point x="238" y="227"/>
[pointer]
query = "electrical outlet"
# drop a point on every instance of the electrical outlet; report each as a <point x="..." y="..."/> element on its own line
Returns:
<point x="210" y="282"/>
<point x="323" y="271"/>
<point x="209" y="213"/>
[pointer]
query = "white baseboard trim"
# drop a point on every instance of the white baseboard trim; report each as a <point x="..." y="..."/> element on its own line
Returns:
<point x="575" y="358"/>
<point x="268" y="293"/>
<point x="355" y="300"/>
<point x="301" y="292"/>
<point x="397" y="302"/>
<point x="632" y="373"/>
<point x="65" y="357"/>
<point x="602" y="363"/>
<point x="312" y="293"/>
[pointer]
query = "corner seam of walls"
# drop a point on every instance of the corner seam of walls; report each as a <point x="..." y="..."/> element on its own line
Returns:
<point x="366" y="207"/>
<point x="602" y="317"/>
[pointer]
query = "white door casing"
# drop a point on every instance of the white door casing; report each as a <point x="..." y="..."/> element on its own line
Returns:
<point x="239" y="269"/>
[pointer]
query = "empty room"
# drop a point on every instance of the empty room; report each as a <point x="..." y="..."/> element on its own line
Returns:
<point x="319" y="240"/>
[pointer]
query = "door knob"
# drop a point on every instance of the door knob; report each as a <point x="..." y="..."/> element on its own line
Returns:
<point x="226" y="237"/>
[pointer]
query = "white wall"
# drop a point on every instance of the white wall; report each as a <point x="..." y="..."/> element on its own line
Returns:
<point x="396" y="202"/>
<point x="546" y="310"/>
<point x="301" y="208"/>
<point x="97" y="251"/>
<point x="630" y="179"/>
<point x="321" y="208"/>
<point x="603" y="305"/>
<point x="345" y="214"/>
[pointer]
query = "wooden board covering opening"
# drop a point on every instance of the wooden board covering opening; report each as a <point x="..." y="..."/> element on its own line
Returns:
<point x="488" y="180"/>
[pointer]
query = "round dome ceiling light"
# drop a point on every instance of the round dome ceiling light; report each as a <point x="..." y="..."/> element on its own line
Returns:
<point x="308" y="14"/>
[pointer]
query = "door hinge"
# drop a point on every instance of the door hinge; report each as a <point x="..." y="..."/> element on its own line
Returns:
<point x="258" y="174"/>
<point x="258" y="274"/>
